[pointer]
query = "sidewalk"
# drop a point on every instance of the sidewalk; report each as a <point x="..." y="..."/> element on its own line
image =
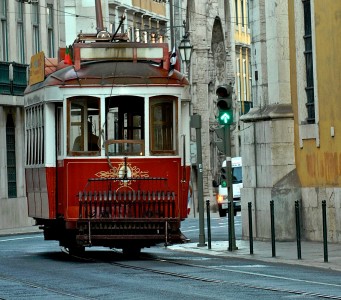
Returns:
<point x="312" y="253"/>
<point x="20" y="230"/>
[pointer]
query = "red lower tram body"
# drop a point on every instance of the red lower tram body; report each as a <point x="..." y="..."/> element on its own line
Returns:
<point x="127" y="203"/>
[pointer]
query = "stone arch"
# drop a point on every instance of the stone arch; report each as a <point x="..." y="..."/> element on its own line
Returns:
<point x="218" y="51"/>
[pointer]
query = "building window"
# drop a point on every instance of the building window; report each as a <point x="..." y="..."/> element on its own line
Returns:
<point x="137" y="35"/>
<point x="249" y="98"/>
<point x="4" y="30"/>
<point x="11" y="165"/>
<point x="242" y="10"/>
<point x="248" y="13"/>
<point x="144" y="37"/>
<point x="238" y="80"/>
<point x="306" y="86"/>
<point x="50" y="35"/>
<point x="244" y="81"/>
<point x="35" y="27"/>
<point x="236" y="7"/>
<point x="309" y="67"/>
<point x="20" y="33"/>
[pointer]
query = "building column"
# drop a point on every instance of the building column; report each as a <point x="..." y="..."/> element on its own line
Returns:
<point x="201" y="106"/>
<point x="268" y="139"/>
<point x="20" y="152"/>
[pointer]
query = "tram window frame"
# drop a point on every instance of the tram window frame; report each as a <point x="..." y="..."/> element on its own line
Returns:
<point x="169" y="142"/>
<point x="89" y="112"/>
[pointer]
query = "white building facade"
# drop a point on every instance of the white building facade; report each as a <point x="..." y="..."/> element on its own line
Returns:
<point x="28" y="27"/>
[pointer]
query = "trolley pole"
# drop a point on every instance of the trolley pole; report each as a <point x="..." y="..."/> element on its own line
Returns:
<point x="196" y="123"/>
<point x="171" y="12"/>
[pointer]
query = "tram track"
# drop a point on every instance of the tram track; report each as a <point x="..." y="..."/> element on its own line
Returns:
<point x="121" y="262"/>
<point x="297" y="292"/>
<point x="234" y="283"/>
<point x="35" y="285"/>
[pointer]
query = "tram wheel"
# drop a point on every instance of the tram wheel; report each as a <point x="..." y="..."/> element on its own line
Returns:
<point x="76" y="250"/>
<point x="131" y="251"/>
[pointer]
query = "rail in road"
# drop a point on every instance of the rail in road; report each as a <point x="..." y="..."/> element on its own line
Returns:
<point x="213" y="273"/>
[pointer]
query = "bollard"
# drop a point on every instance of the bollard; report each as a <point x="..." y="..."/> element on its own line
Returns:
<point x="208" y="223"/>
<point x="272" y="217"/>
<point x="325" y="237"/>
<point x="250" y="227"/>
<point x="298" y="229"/>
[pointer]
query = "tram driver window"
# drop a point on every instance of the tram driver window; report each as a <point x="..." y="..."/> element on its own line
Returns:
<point x="124" y="126"/>
<point x="84" y="131"/>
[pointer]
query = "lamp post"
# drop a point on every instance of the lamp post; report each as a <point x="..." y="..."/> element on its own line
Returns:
<point x="185" y="49"/>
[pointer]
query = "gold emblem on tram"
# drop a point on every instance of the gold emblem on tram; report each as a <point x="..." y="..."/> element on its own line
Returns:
<point x="125" y="171"/>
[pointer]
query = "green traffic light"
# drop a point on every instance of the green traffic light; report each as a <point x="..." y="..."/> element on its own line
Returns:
<point x="225" y="117"/>
<point x="223" y="183"/>
<point x="224" y="104"/>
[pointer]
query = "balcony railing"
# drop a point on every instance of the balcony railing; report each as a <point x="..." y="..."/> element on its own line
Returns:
<point x="13" y="78"/>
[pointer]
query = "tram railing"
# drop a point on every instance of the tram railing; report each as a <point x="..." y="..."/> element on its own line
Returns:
<point x="126" y="204"/>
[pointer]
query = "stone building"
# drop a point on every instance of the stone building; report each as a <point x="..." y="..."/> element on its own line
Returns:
<point x="291" y="151"/>
<point x="220" y="35"/>
<point x="27" y="27"/>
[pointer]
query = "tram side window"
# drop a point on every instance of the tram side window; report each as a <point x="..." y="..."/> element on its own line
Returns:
<point x="34" y="127"/>
<point x="162" y="125"/>
<point x="84" y="130"/>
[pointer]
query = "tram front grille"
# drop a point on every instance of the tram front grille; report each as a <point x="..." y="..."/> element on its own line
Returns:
<point x="126" y="204"/>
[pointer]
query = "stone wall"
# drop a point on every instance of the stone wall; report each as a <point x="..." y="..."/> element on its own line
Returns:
<point x="311" y="212"/>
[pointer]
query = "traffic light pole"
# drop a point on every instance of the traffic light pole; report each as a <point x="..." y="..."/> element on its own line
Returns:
<point x="225" y="117"/>
<point x="232" y="236"/>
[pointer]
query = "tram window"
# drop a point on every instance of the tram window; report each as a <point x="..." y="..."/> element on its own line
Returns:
<point x="84" y="120"/>
<point x="162" y="126"/>
<point x="34" y="127"/>
<point x="125" y="125"/>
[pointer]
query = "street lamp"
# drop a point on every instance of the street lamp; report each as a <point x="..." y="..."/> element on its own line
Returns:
<point x="185" y="49"/>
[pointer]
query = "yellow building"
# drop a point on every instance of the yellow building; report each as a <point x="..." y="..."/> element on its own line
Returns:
<point x="242" y="46"/>
<point x="242" y="39"/>
<point x="315" y="28"/>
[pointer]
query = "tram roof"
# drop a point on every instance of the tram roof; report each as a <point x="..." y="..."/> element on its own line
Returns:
<point x="111" y="73"/>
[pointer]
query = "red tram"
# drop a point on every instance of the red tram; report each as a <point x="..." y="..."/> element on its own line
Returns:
<point x="107" y="144"/>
